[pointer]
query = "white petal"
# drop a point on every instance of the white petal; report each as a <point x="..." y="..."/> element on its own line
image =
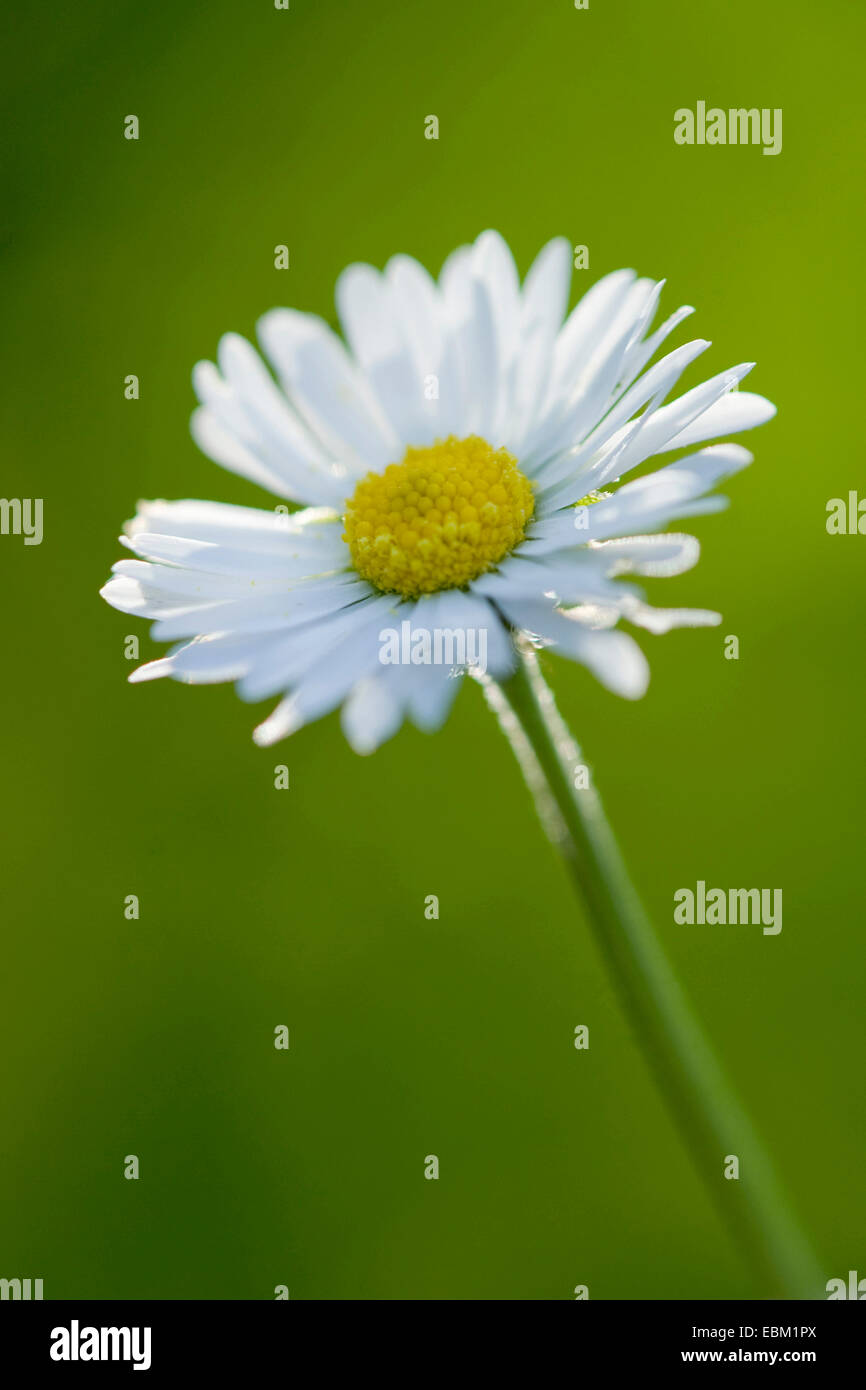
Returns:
<point x="614" y="658"/>
<point x="658" y="382"/>
<point x="578" y="576"/>
<point x="267" y="612"/>
<point x="476" y="343"/>
<point x="661" y="620"/>
<point x="217" y="436"/>
<point x="329" y="556"/>
<point x="324" y="685"/>
<point x="430" y="690"/>
<point x="657" y="556"/>
<point x="373" y="712"/>
<point x="582" y="330"/>
<point x="545" y="295"/>
<point x="588" y="393"/>
<point x="545" y="289"/>
<point x="740" y="410"/>
<point x="640" y="353"/>
<point x="471" y="616"/>
<point x="241" y="527"/>
<point x="419" y="311"/>
<point x="205" y="660"/>
<point x="430" y="694"/>
<point x="295" y="651"/>
<point x="657" y="499"/>
<point x="580" y="462"/>
<point x="371" y="322"/>
<point x="329" y="392"/>
<point x="248" y="426"/>
<point x="662" y="430"/>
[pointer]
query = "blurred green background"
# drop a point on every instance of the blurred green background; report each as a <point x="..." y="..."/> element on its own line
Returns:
<point x="261" y="907"/>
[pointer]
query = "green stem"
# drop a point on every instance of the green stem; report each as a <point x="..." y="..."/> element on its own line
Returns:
<point x="711" y="1119"/>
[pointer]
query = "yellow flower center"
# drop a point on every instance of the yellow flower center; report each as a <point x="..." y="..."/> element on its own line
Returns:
<point x="440" y="518"/>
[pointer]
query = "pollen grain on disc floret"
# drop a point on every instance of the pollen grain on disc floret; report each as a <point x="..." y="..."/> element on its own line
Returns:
<point x="440" y="518"/>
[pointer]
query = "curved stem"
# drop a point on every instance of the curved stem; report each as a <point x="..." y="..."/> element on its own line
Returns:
<point x="711" y="1119"/>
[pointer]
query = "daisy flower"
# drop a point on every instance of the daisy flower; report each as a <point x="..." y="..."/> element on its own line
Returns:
<point x="463" y="465"/>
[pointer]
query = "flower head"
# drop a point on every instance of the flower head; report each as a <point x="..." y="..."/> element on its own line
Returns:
<point x="459" y="462"/>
